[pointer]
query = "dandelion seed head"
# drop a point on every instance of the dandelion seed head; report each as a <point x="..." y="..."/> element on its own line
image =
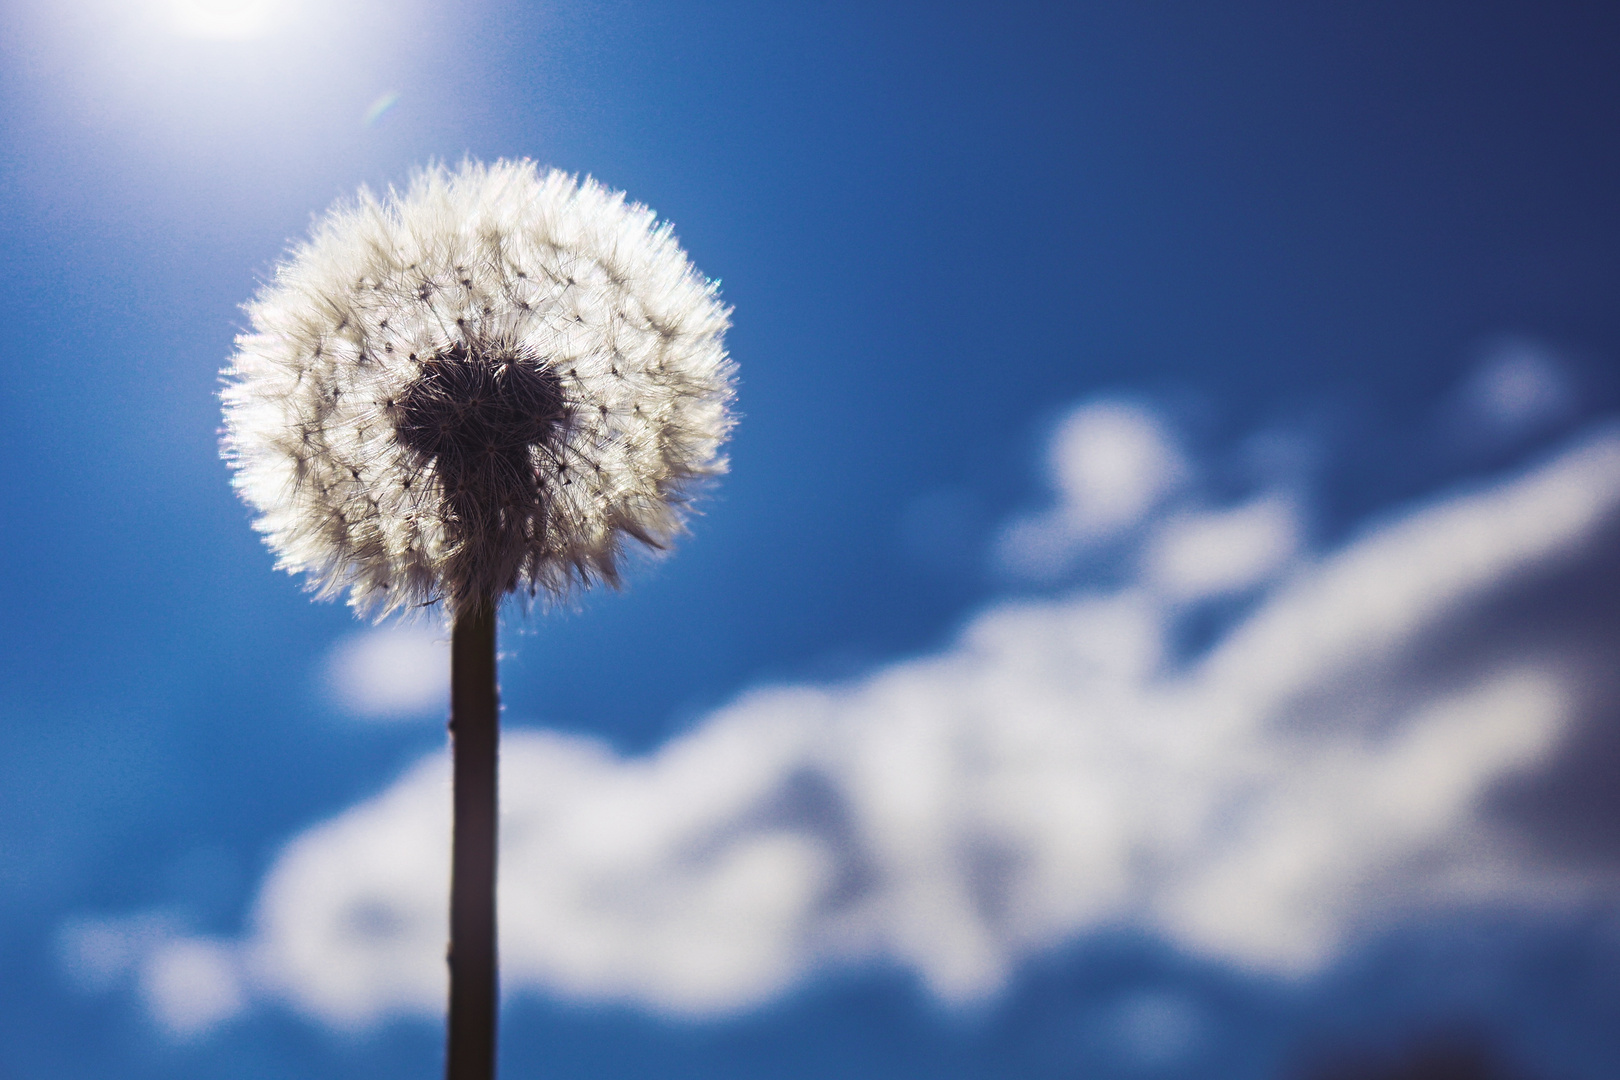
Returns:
<point x="483" y="384"/>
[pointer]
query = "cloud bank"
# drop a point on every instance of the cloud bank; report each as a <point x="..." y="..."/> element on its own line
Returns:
<point x="1328" y="765"/>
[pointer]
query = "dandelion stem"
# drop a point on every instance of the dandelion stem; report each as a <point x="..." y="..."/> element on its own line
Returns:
<point x="474" y="735"/>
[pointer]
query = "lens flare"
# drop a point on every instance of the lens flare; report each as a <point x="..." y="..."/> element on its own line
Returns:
<point x="378" y="108"/>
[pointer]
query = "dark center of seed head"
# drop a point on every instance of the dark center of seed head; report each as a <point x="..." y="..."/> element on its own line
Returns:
<point x="476" y="414"/>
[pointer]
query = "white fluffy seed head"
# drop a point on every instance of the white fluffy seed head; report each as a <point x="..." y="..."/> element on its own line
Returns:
<point x="477" y="386"/>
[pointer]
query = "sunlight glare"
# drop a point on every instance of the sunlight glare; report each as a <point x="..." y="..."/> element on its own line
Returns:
<point x="224" y="20"/>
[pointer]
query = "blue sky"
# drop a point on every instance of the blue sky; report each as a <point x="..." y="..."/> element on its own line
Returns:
<point x="1159" y="622"/>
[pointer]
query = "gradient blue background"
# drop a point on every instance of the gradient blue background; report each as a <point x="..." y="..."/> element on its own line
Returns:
<point x="939" y="224"/>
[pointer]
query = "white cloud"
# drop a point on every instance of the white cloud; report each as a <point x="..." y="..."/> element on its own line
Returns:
<point x="1208" y="554"/>
<point x="98" y="953"/>
<point x="391" y="672"/>
<point x="1315" y="774"/>
<point x="191" y="984"/>
<point x="1110" y="463"/>
<point x="352" y="917"/>
<point x="188" y="984"/>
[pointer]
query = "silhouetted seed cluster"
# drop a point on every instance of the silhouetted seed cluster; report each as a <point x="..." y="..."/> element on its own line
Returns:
<point x="480" y="418"/>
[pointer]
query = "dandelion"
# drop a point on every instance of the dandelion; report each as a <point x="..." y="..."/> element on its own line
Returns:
<point x="482" y="386"/>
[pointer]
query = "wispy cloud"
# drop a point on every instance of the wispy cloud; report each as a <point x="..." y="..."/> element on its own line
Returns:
<point x="1326" y="766"/>
<point x="188" y="984"/>
<point x="1518" y="390"/>
<point x="1110" y="463"/>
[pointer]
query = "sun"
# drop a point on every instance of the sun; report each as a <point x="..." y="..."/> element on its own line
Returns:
<point x="225" y="20"/>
